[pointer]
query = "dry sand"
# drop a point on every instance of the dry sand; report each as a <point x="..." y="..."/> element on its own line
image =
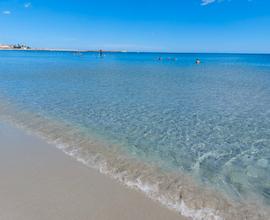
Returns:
<point x="38" y="181"/>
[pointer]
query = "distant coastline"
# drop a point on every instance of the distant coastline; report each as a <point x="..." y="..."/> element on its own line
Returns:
<point x="61" y="50"/>
<point x="26" y="48"/>
<point x="18" y="47"/>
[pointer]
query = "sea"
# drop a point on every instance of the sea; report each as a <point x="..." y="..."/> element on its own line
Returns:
<point x="195" y="138"/>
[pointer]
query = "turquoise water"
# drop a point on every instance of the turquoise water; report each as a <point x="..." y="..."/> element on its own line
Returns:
<point x="209" y="121"/>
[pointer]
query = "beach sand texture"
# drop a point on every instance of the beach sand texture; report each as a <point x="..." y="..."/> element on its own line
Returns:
<point x="39" y="182"/>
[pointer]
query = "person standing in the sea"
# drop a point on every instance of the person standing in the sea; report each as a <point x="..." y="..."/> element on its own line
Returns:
<point x="100" y="53"/>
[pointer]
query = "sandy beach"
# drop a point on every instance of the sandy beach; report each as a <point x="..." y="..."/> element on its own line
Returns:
<point x="39" y="182"/>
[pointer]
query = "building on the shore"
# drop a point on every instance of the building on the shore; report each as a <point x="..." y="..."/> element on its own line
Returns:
<point x="15" y="46"/>
<point x="5" y="47"/>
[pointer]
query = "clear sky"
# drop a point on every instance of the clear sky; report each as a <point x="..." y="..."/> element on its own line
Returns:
<point x="139" y="25"/>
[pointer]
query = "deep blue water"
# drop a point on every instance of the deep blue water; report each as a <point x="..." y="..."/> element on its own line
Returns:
<point x="211" y="121"/>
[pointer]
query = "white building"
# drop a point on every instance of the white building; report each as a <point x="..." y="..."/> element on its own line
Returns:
<point x="4" y="47"/>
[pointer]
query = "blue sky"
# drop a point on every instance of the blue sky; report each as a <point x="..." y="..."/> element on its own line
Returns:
<point x="141" y="25"/>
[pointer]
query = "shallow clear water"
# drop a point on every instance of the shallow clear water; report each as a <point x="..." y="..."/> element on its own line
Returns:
<point x="210" y="121"/>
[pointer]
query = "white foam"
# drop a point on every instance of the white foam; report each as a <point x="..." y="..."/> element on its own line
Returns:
<point x="151" y="191"/>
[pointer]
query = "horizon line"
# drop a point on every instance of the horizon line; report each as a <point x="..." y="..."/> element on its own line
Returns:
<point x="127" y="51"/>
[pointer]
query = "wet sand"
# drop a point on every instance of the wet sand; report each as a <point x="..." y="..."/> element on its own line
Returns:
<point x="38" y="181"/>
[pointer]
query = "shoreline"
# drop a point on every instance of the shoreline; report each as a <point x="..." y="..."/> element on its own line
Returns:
<point x="38" y="181"/>
<point x="187" y="202"/>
